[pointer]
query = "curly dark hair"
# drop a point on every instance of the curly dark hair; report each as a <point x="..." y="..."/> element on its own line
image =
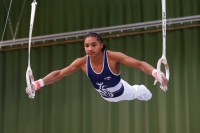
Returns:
<point x="98" y="37"/>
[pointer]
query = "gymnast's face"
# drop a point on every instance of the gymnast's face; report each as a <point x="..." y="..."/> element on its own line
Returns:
<point x="92" y="46"/>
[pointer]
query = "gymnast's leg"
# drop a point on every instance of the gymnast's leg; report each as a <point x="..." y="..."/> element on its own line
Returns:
<point x="142" y="93"/>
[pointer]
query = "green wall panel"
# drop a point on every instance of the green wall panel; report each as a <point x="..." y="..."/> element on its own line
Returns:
<point x="71" y="105"/>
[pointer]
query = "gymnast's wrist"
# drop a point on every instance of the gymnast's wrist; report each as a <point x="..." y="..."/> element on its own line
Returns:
<point x="39" y="83"/>
<point x="155" y="73"/>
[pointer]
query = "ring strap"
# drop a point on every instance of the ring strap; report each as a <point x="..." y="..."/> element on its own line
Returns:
<point x="29" y="74"/>
<point x="163" y="58"/>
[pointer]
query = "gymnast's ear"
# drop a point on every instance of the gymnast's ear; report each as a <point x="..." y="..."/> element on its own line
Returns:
<point x="104" y="47"/>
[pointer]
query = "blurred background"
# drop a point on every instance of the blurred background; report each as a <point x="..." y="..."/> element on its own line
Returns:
<point x="72" y="105"/>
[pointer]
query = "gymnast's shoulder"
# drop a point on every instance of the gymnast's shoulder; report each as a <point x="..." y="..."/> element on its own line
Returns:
<point x="115" y="54"/>
<point x="80" y="60"/>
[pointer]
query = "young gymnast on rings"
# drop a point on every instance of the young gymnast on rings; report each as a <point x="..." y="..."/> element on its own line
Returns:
<point x="103" y="70"/>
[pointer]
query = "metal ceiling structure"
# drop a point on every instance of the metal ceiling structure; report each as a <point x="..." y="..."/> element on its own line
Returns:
<point x="109" y="30"/>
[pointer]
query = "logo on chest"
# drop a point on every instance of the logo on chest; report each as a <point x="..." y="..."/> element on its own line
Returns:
<point x="103" y="91"/>
<point x="108" y="78"/>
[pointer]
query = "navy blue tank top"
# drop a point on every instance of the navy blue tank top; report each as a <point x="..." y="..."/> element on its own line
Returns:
<point x="104" y="81"/>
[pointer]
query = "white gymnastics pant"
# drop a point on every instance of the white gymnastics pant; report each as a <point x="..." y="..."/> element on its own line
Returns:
<point x="132" y="92"/>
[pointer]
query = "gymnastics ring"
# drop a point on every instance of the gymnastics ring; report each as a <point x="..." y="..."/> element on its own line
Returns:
<point x="164" y="61"/>
<point x="163" y="58"/>
<point x="29" y="74"/>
